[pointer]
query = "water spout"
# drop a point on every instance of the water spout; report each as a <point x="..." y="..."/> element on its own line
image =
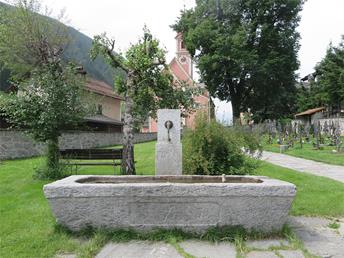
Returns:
<point x="168" y="126"/>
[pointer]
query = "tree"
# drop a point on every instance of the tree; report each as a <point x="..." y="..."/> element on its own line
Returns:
<point x="327" y="88"/>
<point x="28" y="38"/>
<point x="146" y="87"/>
<point x="331" y="77"/>
<point x="49" y="97"/>
<point x="246" y="51"/>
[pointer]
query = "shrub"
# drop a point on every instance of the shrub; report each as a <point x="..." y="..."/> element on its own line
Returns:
<point x="44" y="172"/>
<point x="212" y="149"/>
<point x="250" y="138"/>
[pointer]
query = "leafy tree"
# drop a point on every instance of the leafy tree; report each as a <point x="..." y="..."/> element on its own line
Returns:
<point x="327" y="89"/>
<point x="147" y="85"/>
<point x="246" y="51"/>
<point x="49" y="97"/>
<point x="331" y="76"/>
<point x="305" y="100"/>
<point x="28" y="39"/>
<point x="77" y="50"/>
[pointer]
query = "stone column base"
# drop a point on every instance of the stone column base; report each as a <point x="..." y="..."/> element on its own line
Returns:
<point x="168" y="158"/>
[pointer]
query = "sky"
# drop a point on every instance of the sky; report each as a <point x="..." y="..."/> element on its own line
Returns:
<point x="321" y="22"/>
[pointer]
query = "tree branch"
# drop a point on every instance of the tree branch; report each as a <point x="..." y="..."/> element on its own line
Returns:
<point x="158" y="62"/>
<point x="115" y="61"/>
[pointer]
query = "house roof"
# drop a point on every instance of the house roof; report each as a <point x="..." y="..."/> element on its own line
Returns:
<point x="103" y="120"/>
<point x="101" y="88"/>
<point x="310" y="111"/>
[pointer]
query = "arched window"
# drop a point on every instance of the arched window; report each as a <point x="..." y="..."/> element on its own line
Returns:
<point x="182" y="46"/>
<point x="100" y="109"/>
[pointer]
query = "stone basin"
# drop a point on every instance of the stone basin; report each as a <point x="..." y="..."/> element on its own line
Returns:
<point x="192" y="203"/>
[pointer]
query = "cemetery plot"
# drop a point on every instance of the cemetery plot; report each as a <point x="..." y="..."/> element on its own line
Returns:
<point x="319" y="142"/>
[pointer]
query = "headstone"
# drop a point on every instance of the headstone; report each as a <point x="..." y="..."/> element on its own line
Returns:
<point x="279" y="131"/>
<point x="308" y="132"/>
<point x="283" y="148"/>
<point x="337" y="138"/>
<point x="168" y="156"/>
<point x="326" y="129"/>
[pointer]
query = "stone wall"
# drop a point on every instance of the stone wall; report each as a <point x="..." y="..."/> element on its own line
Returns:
<point x="337" y="121"/>
<point x="15" y="144"/>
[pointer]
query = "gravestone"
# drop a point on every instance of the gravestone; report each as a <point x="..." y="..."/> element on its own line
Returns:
<point x="283" y="148"/>
<point x="168" y="155"/>
<point x="279" y="131"/>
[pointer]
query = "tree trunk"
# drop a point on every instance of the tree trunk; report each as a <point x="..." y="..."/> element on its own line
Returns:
<point x="235" y="109"/>
<point x="128" y="165"/>
<point x="53" y="158"/>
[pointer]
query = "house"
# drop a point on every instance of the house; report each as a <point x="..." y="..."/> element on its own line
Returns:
<point x="108" y="108"/>
<point x="309" y="116"/>
<point x="181" y="68"/>
<point x="108" y="105"/>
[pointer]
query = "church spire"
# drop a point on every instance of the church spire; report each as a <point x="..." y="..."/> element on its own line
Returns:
<point x="183" y="56"/>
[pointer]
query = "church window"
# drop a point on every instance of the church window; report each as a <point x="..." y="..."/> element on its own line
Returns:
<point x="100" y="109"/>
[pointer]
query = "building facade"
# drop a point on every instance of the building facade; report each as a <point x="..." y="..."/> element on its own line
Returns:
<point x="181" y="67"/>
<point x="108" y="107"/>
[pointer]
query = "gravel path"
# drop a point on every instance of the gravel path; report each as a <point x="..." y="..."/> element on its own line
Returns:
<point x="304" y="165"/>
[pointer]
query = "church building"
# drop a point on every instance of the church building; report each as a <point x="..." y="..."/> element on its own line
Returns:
<point x="182" y="70"/>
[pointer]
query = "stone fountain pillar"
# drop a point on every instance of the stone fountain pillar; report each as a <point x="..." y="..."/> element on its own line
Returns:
<point x="168" y="155"/>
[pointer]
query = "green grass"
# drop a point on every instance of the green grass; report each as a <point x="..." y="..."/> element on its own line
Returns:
<point x="316" y="196"/>
<point x="28" y="228"/>
<point x="334" y="225"/>
<point x="325" y="155"/>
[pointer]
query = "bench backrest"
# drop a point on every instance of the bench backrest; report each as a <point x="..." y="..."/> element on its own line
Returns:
<point x="91" y="154"/>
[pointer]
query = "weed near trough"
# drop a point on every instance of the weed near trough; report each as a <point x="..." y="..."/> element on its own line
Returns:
<point x="99" y="237"/>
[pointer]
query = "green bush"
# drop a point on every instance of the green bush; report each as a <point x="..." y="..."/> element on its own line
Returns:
<point x="44" y="172"/>
<point x="212" y="149"/>
<point x="249" y="138"/>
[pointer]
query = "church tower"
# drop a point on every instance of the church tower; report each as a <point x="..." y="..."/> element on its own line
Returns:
<point x="183" y="55"/>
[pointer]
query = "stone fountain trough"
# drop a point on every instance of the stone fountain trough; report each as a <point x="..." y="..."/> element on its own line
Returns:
<point x="192" y="203"/>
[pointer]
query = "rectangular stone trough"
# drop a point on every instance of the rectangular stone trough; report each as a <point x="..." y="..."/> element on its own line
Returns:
<point x="192" y="203"/>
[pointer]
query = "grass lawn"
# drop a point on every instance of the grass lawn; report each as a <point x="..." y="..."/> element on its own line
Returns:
<point x="308" y="152"/>
<point x="28" y="228"/>
<point x="316" y="196"/>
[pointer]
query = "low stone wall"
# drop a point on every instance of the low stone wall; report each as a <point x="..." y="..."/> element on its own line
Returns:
<point x="15" y="144"/>
<point x="339" y="121"/>
<point x="86" y="140"/>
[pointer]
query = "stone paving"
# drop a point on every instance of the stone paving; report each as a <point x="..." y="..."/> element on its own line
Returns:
<point x="136" y="249"/>
<point x="304" y="165"/>
<point x="319" y="240"/>
<point x="206" y="249"/>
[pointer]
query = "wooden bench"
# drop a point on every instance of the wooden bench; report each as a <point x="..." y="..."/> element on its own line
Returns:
<point x="71" y="155"/>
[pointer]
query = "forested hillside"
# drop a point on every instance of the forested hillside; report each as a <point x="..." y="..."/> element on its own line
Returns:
<point x="78" y="52"/>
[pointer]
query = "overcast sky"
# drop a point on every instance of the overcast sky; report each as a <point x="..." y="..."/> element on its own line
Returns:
<point x="322" y="21"/>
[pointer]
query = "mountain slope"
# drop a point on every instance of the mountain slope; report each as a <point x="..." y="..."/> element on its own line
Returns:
<point x="77" y="51"/>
